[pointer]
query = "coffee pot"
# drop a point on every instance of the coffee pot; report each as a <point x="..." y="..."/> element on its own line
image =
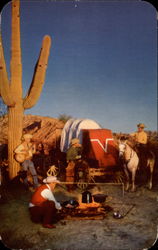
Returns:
<point x="86" y="197"/>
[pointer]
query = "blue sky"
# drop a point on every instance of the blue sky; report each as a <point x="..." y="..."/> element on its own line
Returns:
<point x="102" y="63"/>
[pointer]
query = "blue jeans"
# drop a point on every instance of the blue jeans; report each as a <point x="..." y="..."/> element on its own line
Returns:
<point x="29" y="166"/>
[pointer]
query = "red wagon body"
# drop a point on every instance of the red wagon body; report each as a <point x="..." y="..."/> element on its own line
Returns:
<point x="99" y="145"/>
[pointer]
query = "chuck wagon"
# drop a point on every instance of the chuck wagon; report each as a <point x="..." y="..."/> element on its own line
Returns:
<point x="99" y="150"/>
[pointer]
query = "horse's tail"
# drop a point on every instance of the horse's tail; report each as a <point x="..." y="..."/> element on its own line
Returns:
<point x="151" y="159"/>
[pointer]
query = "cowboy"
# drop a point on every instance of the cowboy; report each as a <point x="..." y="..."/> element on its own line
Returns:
<point x="43" y="206"/>
<point x="140" y="139"/>
<point x="140" y="136"/>
<point x="75" y="150"/>
<point x="27" y="149"/>
<point x="72" y="155"/>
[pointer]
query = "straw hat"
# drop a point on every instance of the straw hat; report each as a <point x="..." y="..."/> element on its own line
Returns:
<point x="75" y="141"/>
<point x="141" y="125"/>
<point x="25" y="136"/>
<point x="51" y="179"/>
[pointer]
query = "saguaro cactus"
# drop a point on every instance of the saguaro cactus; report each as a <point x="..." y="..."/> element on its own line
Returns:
<point x="11" y="90"/>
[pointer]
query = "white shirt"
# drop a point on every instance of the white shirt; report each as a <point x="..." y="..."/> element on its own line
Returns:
<point x="47" y="194"/>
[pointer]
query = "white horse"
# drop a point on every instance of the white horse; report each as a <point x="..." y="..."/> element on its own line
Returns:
<point x="131" y="161"/>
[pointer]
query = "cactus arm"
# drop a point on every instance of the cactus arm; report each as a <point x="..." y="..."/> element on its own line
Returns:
<point x="16" y="65"/>
<point x="39" y="75"/>
<point x="5" y="91"/>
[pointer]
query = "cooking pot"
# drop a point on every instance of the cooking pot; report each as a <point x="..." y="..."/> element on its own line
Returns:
<point x="100" y="198"/>
<point x="71" y="202"/>
<point x="86" y="197"/>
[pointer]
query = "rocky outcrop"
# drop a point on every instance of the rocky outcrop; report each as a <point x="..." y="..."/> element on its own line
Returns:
<point x="44" y="129"/>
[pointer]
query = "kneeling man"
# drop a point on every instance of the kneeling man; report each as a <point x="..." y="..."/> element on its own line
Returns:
<point x="43" y="205"/>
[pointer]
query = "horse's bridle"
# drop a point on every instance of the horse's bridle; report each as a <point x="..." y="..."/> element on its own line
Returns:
<point x="131" y="154"/>
<point x="122" y="151"/>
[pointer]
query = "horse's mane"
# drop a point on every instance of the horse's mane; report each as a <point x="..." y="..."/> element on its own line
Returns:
<point x="131" y="143"/>
<point x="128" y="150"/>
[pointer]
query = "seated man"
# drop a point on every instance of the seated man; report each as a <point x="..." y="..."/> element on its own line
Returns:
<point x="43" y="205"/>
<point x="25" y="151"/>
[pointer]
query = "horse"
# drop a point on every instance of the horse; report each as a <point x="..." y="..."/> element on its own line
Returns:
<point x="131" y="161"/>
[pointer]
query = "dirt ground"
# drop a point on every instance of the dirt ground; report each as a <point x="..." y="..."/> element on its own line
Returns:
<point x="136" y="231"/>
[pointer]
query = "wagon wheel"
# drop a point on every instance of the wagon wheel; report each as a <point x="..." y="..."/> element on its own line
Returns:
<point x="82" y="174"/>
<point x="82" y="185"/>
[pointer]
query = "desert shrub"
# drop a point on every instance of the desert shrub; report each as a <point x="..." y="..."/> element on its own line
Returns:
<point x="64" y="117"/>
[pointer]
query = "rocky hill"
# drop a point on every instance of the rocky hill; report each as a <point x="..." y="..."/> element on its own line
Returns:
<point x="44" y="129"/>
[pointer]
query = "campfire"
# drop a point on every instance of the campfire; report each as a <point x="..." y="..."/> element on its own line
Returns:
<point x="86" y="209"/>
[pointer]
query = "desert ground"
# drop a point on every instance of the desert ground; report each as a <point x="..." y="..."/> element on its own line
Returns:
<point x="137" y="230"/>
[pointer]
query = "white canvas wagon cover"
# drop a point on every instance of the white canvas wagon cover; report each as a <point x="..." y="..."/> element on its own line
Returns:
<point x="73" y="129"/>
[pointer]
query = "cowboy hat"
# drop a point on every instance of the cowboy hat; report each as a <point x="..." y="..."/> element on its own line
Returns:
<point x="51" y="179"/>
<point x="75" y="141"/>
<point x="25" y="136"/>
<point x="141" y="125"/>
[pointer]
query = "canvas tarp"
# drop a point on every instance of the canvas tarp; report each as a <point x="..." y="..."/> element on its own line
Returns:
<point x="73" y="129"/>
